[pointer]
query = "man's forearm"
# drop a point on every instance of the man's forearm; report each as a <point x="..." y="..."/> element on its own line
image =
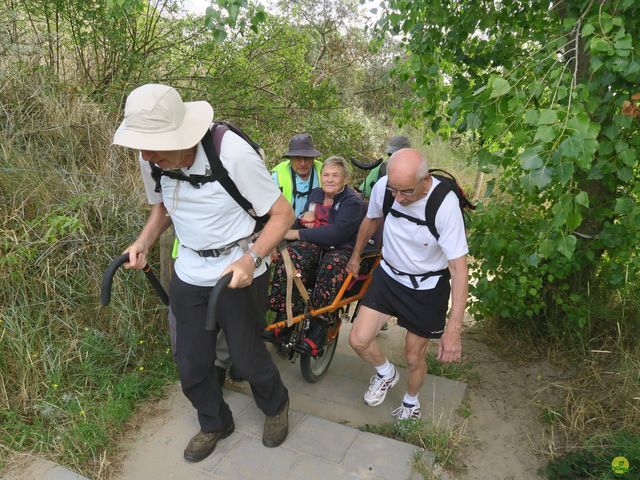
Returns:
<point x="459" y="292"/>
<point x="367" y="228"/>
<point x="281" y="218"/>
<point x="157" y="223"/>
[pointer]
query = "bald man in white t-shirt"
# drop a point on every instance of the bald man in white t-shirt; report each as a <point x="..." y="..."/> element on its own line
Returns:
<point x="412" y="281"/>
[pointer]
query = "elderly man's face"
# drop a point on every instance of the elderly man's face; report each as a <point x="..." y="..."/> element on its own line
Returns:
<point x="407" y="190"/>
<point x="170" y="159"/>
<point x="302" y="166"/>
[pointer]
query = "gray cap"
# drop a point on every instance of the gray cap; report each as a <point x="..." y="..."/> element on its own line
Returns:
<point x="301" y="145"/>
<point x="397" y="143"/>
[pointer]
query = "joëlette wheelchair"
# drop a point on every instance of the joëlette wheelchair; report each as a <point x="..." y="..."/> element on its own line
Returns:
<point x="312" y="366"/>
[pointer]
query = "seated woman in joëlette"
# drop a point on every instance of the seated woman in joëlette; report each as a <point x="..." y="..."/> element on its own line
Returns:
<point x="319" y="253"/>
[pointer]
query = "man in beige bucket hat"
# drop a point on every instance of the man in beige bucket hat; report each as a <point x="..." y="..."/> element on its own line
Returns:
<point x="216" y="236"/>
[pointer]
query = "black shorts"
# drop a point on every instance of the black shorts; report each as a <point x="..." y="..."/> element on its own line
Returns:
<point x="422" y="312"/>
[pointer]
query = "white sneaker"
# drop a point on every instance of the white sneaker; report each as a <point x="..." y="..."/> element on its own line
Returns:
<point x="407" y="412"/>
<point x="378" y="387"/>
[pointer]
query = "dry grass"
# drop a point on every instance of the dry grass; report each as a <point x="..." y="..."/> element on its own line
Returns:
<point x="69" y="370"/>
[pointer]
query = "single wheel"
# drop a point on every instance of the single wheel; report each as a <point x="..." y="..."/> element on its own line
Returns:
<point x="314" y="368"/>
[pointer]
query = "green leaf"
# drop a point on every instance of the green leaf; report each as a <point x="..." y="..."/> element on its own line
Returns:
<point x="573" y="221"/>
<point x="539" y="178"/>
<point x="530" y="161"/>
<point x="531" y="117"/>
<point x="546" y="248"/>
<point x="588" y="29"/>
<point x="544" y="133"/>
<point x="596" y="63"/>
<point x="599" y="44"/>
<point x="581" y="124"/>
<point x="628" y="157"/>
<point x="582" y="198"/>
<point x="530" y="156"/>
<point x="624" y="205"/>
<point x="499" y="87"/>
<point x="564" y="172"/>
<point x="570" y="147"/>
<point x="219" y="35"/>
<point x="547" y="117"/>
<point x="625" y="174"/>
<point x="567" y="245"/>
<point x="624" y="43"/>
<point x="474" y="120"/>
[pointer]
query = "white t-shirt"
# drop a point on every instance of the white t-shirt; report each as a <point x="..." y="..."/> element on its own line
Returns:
<point x="208" y="217"/>
<point x="410" y="247"/>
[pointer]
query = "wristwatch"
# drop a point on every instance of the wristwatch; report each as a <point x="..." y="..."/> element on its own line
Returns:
<point x="257" y="259"/>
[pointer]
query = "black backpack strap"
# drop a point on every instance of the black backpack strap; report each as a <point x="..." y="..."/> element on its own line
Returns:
<point x="387" y="203"/>
<point x="211" y="143"/>
<point x="418" y="278"/>
<point x="433" y="204"/>
<point x="156" y="174"/>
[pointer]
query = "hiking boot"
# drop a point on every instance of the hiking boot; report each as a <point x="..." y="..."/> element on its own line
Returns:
<point x="221" y="374"/>
<point x="407" y="411"/>
<point x="276" y="427"/>
<point x="235" y="375"/>
<point x="203" y="443"/>
<point x="378" y="388"/>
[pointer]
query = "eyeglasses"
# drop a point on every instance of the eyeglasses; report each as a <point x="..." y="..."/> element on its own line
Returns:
<point x="404" y="193"/>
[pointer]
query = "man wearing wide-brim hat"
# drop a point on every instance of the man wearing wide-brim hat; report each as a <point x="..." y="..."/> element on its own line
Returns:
<point x="216" y="236"/>
<point x="300" y="173"/>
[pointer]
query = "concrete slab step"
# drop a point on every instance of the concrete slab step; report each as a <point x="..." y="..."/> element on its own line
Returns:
<point x="315" y="449"/>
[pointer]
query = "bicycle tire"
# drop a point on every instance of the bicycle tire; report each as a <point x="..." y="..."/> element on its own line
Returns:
<point x="314" y="368"/>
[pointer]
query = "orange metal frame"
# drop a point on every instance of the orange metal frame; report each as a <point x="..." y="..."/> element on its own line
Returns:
<point x="338" y="301"/>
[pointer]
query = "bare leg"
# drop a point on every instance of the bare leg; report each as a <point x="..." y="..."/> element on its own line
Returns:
<point x="363" y="335"/>
<point x="415" y="348"/>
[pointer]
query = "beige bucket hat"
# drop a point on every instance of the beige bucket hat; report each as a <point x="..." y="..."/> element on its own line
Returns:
<point x="156" y="118"/>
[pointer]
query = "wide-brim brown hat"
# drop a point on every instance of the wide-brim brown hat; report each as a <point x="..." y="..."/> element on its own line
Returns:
<point x="301" y="145"/>
<point x="156" y="118"/>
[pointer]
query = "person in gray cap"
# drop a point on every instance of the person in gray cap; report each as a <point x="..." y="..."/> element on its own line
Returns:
<point x="300" y="173"/>
<point x="396" y="143"/>
<point x="217" y="236"/>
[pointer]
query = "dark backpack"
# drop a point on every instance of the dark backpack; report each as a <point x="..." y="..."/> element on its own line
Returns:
<point x="447" y="184"/>
<point x="211" y="143"/>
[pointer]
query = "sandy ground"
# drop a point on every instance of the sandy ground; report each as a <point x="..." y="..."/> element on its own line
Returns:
<point x="506" y="438"/>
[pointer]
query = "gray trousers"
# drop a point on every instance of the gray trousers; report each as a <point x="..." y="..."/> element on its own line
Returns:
<point x="195" y="349"/>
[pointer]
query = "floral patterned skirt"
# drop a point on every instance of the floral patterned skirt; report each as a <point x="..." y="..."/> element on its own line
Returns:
<point x="322" y="272"/>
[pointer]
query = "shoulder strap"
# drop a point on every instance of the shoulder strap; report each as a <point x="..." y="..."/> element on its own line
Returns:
<point x="433" y="204"/>
<point x="211" y="143"/>
<point x="156" y="174"/>
<point x="386" y="203"/>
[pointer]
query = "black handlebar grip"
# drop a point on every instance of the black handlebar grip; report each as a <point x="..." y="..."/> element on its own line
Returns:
<point x="107" y="278"/>
<point x="223" y="282"/>
<point x="366" y="166"/>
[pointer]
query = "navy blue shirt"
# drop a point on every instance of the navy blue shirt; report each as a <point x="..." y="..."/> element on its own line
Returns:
<point x="345" y="216"/>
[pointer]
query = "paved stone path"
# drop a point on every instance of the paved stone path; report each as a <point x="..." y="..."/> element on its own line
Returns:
<point x="322" y="443"/>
